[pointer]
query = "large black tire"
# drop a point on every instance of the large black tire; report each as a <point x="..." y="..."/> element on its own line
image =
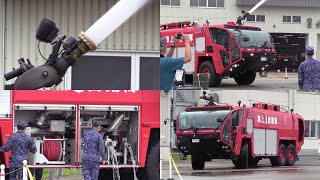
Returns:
<point x="253" y="161"/>
<point x="245" y="78"/>
<point x="291" y="155"/>
<point x="151" y="170"/>
<point x="242" y="161"/>
<point x="281" y="159"/>
<point x="197" y="161"/>
<point x="214" y="79"/>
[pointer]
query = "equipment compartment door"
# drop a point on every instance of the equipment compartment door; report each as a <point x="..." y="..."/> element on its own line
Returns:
<point x="259" y="144"/>
<point x="5" y="104"/>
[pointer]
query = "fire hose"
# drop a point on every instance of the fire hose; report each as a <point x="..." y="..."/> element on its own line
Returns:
<point x="52" y="150"/>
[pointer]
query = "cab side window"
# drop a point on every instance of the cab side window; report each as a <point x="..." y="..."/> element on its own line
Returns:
<point x="220" y="36"/>
<point x="224" y="38"/>
<point x="214" y="35"/>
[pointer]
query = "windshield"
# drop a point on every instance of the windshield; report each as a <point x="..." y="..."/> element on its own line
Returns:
<point x="202" y="119"/>
<point x="253" y="39"/>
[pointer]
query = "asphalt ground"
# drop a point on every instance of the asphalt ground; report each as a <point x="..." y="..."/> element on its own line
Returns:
<point x="308" y="167"/>
<point x="274" y="81"/>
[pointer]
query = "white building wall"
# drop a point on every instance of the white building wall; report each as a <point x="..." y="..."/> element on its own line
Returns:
<point x="165" y="128"/>
<point x="185" y="12"/>
<point x="2" y="17"/>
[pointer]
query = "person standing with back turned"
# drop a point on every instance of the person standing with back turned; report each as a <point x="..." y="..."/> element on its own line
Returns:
<point x="19" y="143"/>
<point x="169" y="65"/>
<point x="309" y="72"/>
<point x="93" y="150"/>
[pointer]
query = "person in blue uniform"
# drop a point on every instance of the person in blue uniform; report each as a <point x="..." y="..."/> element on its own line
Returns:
<point x="93" y="150"/>
<point x="169" y="65"/>
<point x="309" y="72"/>
<point x="19" y="143"/>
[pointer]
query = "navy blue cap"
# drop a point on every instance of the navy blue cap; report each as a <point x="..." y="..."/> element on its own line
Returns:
<point x="96" y="123"/>
<point x="21" y="124"/>
<point x="309" y="50"/>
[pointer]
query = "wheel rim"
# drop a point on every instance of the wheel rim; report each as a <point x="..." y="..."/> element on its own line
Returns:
<point x="206" y="71"/>
<point x="282" y="154"/>
<point x="291" y="155"/>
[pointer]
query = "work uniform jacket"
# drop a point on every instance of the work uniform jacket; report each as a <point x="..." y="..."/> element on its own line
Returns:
<point x="309" y="75"/>
<point x="19" y="143"/>
<point x="93" y="147"/>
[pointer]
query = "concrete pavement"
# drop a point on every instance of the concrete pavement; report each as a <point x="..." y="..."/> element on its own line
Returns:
<point x="308" y="167"/>
<point x="274" y="81"/>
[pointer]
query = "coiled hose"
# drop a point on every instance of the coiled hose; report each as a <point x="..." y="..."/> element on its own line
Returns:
<point x="52" y="150"/>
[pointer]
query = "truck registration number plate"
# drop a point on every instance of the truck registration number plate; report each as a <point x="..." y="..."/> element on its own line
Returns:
<point x="285" y="59"/>
<point x="195" y="140"/>
<point x="263" y="58"/>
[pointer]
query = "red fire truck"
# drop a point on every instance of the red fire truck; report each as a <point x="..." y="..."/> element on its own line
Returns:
<point x="240" y="133"/>
<point x="223" y="50"/>
<point x="58" y="119"/>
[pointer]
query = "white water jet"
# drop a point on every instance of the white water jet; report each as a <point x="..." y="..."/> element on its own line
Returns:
<point x="113" y="155"/>
<point x="133" y="161"/>
<point x="114" y="18"/>
<point x="256" y="6"/>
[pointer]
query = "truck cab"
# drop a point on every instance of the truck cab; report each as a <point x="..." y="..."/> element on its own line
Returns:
<point x="208" y="132"/>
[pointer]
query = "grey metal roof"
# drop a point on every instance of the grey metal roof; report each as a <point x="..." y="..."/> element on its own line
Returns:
<point x="287" y="3"/>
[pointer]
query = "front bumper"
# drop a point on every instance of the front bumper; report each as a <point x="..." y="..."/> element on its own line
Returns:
<point x="252" y="62"/>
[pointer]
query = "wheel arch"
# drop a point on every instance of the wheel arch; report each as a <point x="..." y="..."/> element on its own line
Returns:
<point x="287" y="142"/>
<point x="203" y="59"/>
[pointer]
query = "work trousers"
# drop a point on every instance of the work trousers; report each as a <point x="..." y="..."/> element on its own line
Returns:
<point x="14" y="173"/>
<point x="51" y="174"/>
<point x="90" y="170"/>
<point x="37" y="172"/>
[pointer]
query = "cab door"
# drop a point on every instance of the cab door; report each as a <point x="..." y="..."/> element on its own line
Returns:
<point x="221" y="43"/>
<point x="230" y="130"/>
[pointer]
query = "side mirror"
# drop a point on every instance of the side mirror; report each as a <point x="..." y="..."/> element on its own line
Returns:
<point x="245" y="38"/>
